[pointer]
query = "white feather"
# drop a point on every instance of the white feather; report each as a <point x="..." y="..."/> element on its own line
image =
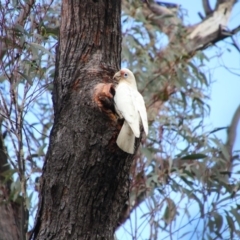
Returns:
<point x="125" y="106"/>
<point x="142" y="111"/>
<point x="129" y="105"/>
<point x="126" y="139"/>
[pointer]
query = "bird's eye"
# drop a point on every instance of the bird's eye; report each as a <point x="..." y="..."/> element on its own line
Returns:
<point x="125" y="75"/>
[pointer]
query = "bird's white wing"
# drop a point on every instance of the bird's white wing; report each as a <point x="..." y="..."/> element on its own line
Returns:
<point x="125" y="105"/>
<point x="126" y="138"/>
<point x="140" y="105"/>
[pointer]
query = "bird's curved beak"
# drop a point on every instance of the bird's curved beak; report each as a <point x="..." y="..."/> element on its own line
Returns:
<point x="117" y="75"/>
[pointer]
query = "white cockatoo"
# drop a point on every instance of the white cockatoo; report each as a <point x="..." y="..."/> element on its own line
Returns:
<point x="129" y="104"/>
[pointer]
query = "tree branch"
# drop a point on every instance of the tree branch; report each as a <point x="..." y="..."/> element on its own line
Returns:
<point x="10" y="211"/>
<point x="206" y="7"/>
<point x="20" y="20"/>
<point x="211" y="29"/>
<point x="166" y="19"/>
<point x="218" y="36"/>
<point x="191" y="38"/>
<point x="25" y="12"/>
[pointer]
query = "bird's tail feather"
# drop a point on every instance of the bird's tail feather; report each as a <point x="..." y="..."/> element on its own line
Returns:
<point x="126" y="139"/>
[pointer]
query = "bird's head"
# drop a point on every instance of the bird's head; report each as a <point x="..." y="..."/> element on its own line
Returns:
<point x="125" y="75"/>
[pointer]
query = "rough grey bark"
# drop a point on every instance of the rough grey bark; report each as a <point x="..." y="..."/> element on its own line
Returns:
<point x="85" y="176"/>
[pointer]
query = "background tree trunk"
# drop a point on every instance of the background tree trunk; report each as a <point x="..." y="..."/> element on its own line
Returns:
<point x="85" y="177"/>
<point x="10" y="212"/>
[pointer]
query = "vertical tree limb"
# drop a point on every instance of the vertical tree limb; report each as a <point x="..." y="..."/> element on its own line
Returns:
<point x="85" y="177"/>
<point x="206" y="7"/>
<point x="10" y="212"/>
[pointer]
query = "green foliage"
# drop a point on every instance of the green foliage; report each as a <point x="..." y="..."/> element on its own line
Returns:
<point x="180" y="158"/>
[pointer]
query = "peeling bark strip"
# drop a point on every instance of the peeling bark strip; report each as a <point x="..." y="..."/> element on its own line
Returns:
<point x="85" y="177"/>
<point x="210" y="30"/>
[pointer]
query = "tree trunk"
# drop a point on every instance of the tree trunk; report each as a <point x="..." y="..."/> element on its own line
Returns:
<point x="11" y="212"/>
<point x="85" y="177"/>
